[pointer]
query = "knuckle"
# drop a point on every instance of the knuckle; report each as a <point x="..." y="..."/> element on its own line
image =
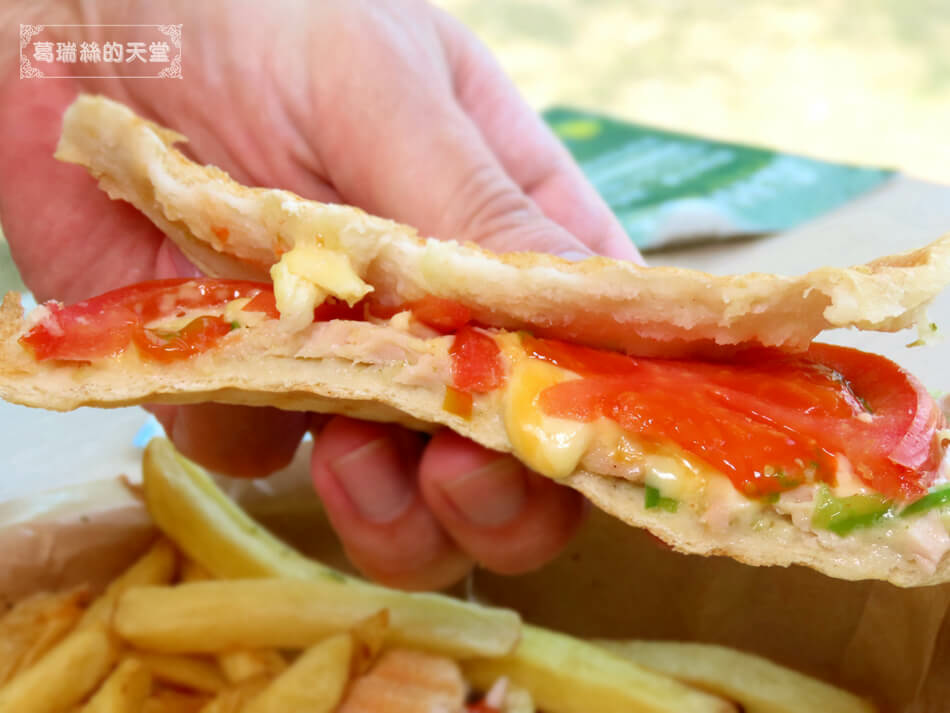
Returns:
<point x="486" y="203"/>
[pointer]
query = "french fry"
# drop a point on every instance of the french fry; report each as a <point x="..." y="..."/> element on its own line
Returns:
<point x="157" y="566"/>
<point x="168" y="701"/>
<point x="221" y="615"/>
<point x="518" y="700"/>
<point x="210" y="528"/>
<point x="369" y="636"/>
<point x="186" y="672"/>
<point x="314" y="683"/>
<point x="247" y="664"/>
<point x="124" y="691"/>
<point x="64" y="676"/>
<point x="351" y="633"/>
<point x="34" y="625"/>
<point x="405" y="681"/>
<point x="240" y="664"/>
<point x="191" y="571"/>
<point x="758" y="684"/>
<point x="233" y="700"/>
<point x="566" y="675"/>
<point x="216" y="533"/>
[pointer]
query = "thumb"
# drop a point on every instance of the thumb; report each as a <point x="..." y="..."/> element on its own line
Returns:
<point x="437" y="173"/>
<point x="489" y="208"/>
<point x="473" y="198"/>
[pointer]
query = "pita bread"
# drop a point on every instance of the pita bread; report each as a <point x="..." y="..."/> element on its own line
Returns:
<point x="601" y="302"/>
<point x="374" y="392"/>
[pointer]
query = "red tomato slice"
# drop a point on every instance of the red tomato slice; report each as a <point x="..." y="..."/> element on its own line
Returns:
<point x="332" y="308"/>
<point x="381" y="311"/>
<point x="583" y="360"/>
<point x="81" y="332"/>
<point x="194" y="338"/>
<point x="263" y="302"/>
<point x="900" y="442"/>
<point x="163" y="298"/>
<point x="721" y="436"/>
<point x="445" y="316"/>
<point x="770" y="421"/>
<point x="476" y="361"/>
<point x="442" y="315"/>
<point x="105" y="325"/>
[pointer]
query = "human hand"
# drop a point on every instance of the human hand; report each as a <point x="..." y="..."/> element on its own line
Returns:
<point x="390" y="106"/>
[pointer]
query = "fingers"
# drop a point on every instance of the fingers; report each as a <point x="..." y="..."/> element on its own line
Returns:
<point x="240" y="441"/>
<point x="171" y="262"/>
<point x="68" y="238"/>
<point x="407" y="523"/>
<point x="509" y="519"/>
<point x="398" y="144"/>
<point x="365" y="473"/>
<point x="527" y="148"/>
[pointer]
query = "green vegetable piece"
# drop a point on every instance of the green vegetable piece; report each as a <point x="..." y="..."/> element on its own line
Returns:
<point x="652" y="499"/>
<point x="934" y="499"/>
<point x="844" y="515"/>
<point x="235" y="325"/>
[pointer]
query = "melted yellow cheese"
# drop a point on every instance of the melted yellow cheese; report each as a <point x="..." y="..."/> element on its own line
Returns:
<point x="550" y="446"/>
<point x="234" y="310"/>
<point x="555" y="446"/>
<point x="176" y="324"/>
<point x="670" y="470"/>
<point x="306" y="275"/>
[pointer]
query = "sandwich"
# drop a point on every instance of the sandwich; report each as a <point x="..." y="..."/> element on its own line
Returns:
<point x="696" y="406"/>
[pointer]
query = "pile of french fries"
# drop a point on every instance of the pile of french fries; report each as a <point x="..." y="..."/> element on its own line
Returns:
<point x="221" y="617"/>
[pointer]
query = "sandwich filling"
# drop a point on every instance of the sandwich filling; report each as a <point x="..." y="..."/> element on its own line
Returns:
<point x="842" y="443"/>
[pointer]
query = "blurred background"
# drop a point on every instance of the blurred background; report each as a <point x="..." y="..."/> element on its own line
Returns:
<point x="863" y="82"/>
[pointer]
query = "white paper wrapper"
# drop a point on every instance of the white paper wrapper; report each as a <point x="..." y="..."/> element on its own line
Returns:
<point x="87" y="533"/>
<point x="70" y="536"/>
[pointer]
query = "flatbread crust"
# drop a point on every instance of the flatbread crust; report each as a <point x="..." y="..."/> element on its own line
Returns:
<point x="232" y="231"/>
<point x="228" y="374"/>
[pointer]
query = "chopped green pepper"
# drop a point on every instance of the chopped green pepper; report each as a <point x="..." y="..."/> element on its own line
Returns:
<point x="934" y="499"/>
<point x="787" y="482"/>
<point x="845" y="514"/>
<point x="235" y="325"/>
<point x="653" y="499"/>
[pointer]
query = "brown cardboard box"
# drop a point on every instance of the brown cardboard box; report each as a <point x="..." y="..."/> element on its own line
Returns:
<point x="875" y="639"/>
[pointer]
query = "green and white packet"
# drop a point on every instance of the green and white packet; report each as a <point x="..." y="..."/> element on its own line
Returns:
<point x="668" y="187"/>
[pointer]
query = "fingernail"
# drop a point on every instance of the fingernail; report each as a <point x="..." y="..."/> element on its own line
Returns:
<point x="575" y="255"/>
<point x="491" y="496"/>
<point x="375" y="479"/>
